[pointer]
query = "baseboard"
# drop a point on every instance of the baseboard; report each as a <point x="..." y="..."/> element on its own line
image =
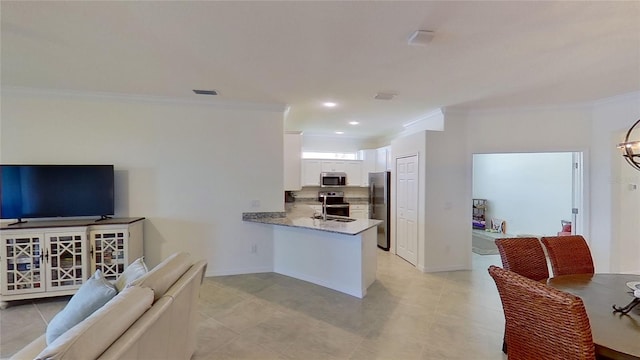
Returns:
<point x="241" y="271"/>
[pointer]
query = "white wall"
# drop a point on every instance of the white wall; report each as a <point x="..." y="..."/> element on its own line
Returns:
<point x="444" y="196"/>
<point x="590" y="128"/>
<point x="532" y="192"/>
<point x="190" y="168"/>
<point x="615" y="227"/>
<point x="448" y="198"/>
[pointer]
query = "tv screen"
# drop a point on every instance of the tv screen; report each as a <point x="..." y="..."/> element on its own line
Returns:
<point x="42" y="191"/>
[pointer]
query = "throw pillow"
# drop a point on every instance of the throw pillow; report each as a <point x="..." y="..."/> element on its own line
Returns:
<point x="91" y="337"/>
<point x="135" y="270"/>
<point x="91" y="296"/>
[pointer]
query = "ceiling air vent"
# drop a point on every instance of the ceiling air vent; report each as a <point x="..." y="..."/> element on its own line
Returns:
<point x="421" y="37"/>
<point x="205" y="92"/>
<point x="384" y="96"/>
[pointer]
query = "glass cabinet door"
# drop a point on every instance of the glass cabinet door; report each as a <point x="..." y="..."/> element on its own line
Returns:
<point x="108" y="248"/>
<point x="22" y="264"/>
<point x="66" y="260"/>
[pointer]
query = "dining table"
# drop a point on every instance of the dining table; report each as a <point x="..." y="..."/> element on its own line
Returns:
<point x="615" y="335"/>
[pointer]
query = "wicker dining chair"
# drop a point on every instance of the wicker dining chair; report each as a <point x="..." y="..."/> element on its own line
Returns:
<point x="523" y="256"/>
<point x="542" y="322"/>
<point x="569" y="255"/>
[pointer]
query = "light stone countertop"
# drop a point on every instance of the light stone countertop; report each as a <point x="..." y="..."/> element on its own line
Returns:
<point x="301" y="215"/>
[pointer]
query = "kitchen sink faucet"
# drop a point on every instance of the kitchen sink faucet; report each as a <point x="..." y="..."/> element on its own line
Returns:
<point x="324" y="207"/>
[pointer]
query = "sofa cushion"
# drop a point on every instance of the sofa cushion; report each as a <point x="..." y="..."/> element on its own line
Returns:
<point x="93" y="294"/>
<point x="132" y="272"/>
<point x="95" y="334"/>
<point x="161" y="277"/>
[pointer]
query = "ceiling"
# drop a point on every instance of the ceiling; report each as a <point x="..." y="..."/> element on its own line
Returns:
<point x="302" y="53"/>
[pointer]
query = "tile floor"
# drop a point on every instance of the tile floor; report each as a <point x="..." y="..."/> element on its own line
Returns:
<point x="406" y="315"/>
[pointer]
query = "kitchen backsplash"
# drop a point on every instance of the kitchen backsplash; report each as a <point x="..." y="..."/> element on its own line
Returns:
<point x="311" y="192"/>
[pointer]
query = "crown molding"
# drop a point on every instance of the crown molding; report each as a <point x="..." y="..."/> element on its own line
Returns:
<point x="431" y="121"/>
<point x="622" y="97"/>
<point x="94" y="95"/>
<point x="588" y="105"/>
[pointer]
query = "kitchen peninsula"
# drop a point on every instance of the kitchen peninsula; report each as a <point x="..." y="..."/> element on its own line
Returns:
<point x="337" y="253"/>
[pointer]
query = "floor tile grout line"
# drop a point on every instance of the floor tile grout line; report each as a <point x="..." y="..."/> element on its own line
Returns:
<point x="46" y="323"/>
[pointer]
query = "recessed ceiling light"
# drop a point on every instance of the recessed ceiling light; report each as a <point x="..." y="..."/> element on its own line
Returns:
<point x="339" y="132"/>
<point x="329" y="104"/>
<point x="205" y="92"/>
<point x="353" y="123"/>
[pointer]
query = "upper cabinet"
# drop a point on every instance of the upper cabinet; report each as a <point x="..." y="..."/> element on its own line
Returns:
<point x="333" y="166"/>
<point x="383" y="158"/>
<point x="292" y="160"/>
<point x="312" y="168"/>
<point x="354" y="172"/>
<point x="375" y="160"/>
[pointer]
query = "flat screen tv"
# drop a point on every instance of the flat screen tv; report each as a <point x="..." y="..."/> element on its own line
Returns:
<point x="47" y="191"/>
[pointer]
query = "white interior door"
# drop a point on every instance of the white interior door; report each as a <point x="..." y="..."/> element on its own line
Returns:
<point x="407" y="208"/>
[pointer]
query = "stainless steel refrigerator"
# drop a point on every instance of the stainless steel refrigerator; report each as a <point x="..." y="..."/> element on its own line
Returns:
<point x="380" y="205"/>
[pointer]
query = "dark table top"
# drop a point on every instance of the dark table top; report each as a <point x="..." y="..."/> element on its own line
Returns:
<point x="616" y="336"/>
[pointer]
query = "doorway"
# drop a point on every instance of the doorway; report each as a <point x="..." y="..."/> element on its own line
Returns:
<point x="534" y="193"/>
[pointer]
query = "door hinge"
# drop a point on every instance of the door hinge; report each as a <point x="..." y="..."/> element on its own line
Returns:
<point x="574" y="210"/>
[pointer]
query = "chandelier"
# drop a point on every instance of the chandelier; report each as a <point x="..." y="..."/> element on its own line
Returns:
<point x="631" y="148"/>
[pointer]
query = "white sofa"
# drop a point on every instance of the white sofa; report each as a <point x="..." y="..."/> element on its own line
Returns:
<point x="156" y="317"/>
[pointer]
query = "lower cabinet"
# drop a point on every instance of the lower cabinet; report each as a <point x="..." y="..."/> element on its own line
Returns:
<point x="53" y="258"/>
<point x="359" y="211"/>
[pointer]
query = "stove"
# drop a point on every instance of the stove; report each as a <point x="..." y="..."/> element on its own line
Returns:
<point x="335" y="203"/>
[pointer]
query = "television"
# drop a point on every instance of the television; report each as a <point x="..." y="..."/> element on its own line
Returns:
<point x="47" y="191"/>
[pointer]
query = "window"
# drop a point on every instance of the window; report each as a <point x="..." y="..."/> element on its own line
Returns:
<point x="329" y="155"/>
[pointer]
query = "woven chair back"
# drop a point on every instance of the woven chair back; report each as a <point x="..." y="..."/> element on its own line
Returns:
<point x="569" y="255"/>
<point x="523" y="256"/>
<point x="542" y="322"/>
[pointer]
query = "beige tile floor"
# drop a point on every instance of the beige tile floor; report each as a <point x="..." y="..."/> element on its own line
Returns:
<point x="406" y="315"/>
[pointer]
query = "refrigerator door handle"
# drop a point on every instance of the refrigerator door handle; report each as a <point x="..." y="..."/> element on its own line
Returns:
<point x="372" y="198"/>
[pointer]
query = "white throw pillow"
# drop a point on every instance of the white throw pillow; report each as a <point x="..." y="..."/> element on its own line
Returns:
<point x="135" y="270"/>
<point x="95" y="334"/>
<point x="91" y="296"/>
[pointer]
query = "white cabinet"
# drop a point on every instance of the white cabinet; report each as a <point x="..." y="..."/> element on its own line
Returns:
<point x="42" y="260"/>
<point x="383" y="158"/>
<point x="333" y="166"/>
<point x="369" y="158"/>
<point x="53" y="258"/>
<point x="359" y="211"/>
<point x="375" y="160"/>
<point x="354" y="172"/>
<point x="292" y="160"/>
<point x="311" y="170"/>
<point x="114" y="247"/>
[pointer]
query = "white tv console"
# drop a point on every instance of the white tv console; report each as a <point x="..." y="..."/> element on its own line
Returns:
<point x="53" y="258"/>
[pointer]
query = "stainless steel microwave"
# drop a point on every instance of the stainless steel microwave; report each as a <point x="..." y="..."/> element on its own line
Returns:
<point x="332" y="179"/>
